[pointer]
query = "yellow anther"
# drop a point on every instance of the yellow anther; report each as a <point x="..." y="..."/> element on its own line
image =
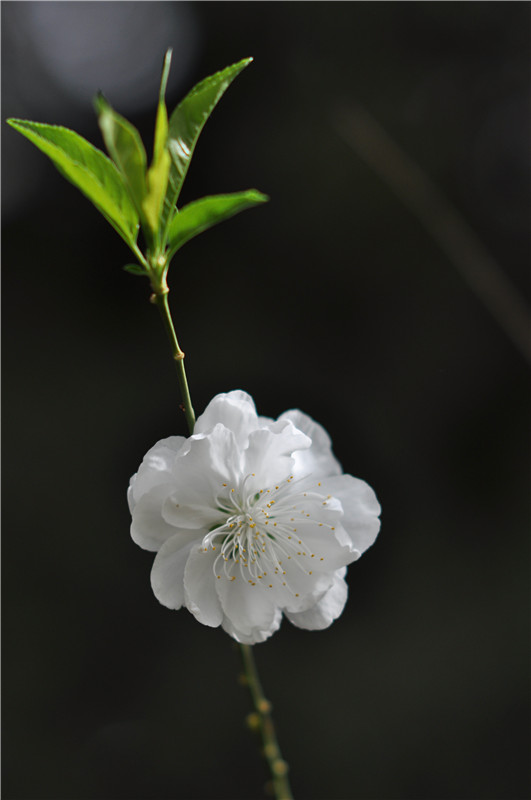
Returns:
<point x="264" y="706"/>
<point x="223" y="484"/>
<point x="219" y="577"/>
<point x="270" y="585"/>
<point x="321" y="559"/>
<point x="297" y="594"/>
<point x="312" y="555"/>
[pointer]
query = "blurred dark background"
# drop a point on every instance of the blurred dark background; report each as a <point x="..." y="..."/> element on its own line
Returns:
<point x="332" y="298"/>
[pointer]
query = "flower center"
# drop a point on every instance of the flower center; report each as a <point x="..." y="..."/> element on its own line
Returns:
<point x="263" y="535"/>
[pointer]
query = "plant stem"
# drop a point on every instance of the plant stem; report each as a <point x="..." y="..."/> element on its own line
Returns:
<point x="263" y="721"/>
<point x="160" y="299"/>
<point x="262" y="717"/>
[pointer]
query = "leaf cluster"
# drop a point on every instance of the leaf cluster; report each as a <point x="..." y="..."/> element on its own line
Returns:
<point x="133" y="196"/>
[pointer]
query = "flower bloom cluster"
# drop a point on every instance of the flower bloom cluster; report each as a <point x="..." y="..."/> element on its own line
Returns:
<point x="251" y="518"/>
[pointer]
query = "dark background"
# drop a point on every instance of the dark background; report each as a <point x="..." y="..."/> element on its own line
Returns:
<point x="332" y="298"/>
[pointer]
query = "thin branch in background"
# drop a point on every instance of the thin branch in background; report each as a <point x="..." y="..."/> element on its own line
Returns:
<point x="358" y="128"/>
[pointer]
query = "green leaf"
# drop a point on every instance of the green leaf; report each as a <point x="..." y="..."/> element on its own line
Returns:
<point x="135" y="269"/>
<point x="186" y="123"/>
<point x="125" y="147"/>
<point x="206" y="212"/>
<point x="158" y="173"/>
<point x="88" y="169"/>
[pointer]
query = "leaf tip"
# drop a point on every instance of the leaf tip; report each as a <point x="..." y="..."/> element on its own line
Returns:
<point x="259" y="197"/>
<point x="99" y="102"/>
<point x="166" y="64"/>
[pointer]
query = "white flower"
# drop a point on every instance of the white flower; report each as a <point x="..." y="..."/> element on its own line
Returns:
<point x="251" y="518"/>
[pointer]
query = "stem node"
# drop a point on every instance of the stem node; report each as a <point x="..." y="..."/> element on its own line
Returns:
<point x="271" y="751"/>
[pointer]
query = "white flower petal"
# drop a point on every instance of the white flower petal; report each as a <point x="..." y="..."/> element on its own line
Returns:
<point x="256" y="636"/>
<point x="247" y="607"/>
<point x="188" y="516"/>
<point x="211" y="461"/>
<point x="167" y="573"/>
<point x="303" y="591"/>
<point x="360" y="508"/>
<point x="156" y="466"/>
<point x="252" y="518"/>
<point x="148" y="529"/>
<point x="235" y="410"/>
<point x="318" y="460"/>
<point x="199" y="589"/>
<point x="333" y="547"/>
<point x="326" y="610"/>
<point x="269" y="452"/>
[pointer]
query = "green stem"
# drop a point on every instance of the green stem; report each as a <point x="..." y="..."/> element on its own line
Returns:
<point x="263" y="721"/>
<point x="160" y="299"/>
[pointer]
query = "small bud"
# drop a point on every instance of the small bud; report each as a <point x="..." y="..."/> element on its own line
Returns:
<point x="264" y="706"/>
<point x="270" y="751"/>
<point x="280" y="767"/>
<point x="253" y="721"/>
